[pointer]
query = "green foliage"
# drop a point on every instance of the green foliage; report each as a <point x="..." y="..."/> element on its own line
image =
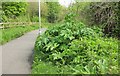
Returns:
<point x="33" y="11"/>
<point x="74" y="48"/>
<point x="62" y="13"/>
<point x="35" y="19"/>
<point x="14" y="12"/>
<point x="13" y="9"/>
<point x="12" y="33"/>
<point x="50" y="11"/>
<point x="44" y="10"/>
<point x="103" y="14"/>
<point x="53" y="10"/>
<point x="0" y="12"/>
<point x="44" y="69"/>
<point x="80" y="9"/>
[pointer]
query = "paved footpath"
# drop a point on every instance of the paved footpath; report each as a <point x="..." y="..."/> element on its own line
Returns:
<point x="17" y="54"/>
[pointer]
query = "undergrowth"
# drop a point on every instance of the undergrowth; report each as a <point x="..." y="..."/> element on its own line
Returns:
<point x="74" y="48"/>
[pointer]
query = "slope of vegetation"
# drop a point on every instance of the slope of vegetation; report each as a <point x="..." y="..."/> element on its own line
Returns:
<point x="74" y="48"/>
<point x="12" y="33"/>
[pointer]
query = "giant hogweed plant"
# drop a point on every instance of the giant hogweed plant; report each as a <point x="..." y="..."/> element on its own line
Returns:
<point x="82" y="49"/>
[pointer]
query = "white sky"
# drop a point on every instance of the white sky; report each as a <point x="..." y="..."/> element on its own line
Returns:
<point x="66" y="2"/>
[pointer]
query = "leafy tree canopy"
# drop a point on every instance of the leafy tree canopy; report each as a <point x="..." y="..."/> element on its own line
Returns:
<point x="13" y="9"/>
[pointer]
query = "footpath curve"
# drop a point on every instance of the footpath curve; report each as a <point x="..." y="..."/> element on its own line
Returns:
<point x="17" y="54"/>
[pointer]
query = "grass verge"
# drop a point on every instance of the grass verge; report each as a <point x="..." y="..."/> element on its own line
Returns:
<point x="9" y="34"/>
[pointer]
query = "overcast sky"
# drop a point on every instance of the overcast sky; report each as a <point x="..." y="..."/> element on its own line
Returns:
<point x="66" y="2"/>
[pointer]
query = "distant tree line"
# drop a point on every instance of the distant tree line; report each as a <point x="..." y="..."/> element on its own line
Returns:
<point x="101" y="14"/>
<point x="50" y="11"/>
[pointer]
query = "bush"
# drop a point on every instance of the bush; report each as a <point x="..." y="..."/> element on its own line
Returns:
<point x="77" y="47"/>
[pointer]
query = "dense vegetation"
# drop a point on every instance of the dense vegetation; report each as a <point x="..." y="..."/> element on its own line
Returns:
<point x="53" y="10"/>
<point x="13" y="10"/>
<point x="74" y="48"/>
<point x="84" y="42"/>
<point x="102" y="14"/>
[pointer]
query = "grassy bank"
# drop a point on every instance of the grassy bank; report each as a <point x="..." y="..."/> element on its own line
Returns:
<point x="15" y="32"/>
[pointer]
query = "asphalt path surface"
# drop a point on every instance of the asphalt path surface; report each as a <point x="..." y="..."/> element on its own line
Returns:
<point x="17" y="54"/>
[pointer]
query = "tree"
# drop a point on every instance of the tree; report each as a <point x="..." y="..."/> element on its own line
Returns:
<point x="53" y="10"/>
<point x="101" y="14"/>
<point x="14" y="9"/>
<point x="105" y="14"/>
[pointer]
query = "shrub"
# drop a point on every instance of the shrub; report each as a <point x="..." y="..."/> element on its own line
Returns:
<point x="78" y="47"/>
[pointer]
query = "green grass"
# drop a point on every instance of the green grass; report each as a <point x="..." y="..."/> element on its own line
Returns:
<point x="9" y="34"/>
<point x="42" y="68"/>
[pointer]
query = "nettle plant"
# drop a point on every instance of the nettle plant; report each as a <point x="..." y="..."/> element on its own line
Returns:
<point x="78" y="46"/>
